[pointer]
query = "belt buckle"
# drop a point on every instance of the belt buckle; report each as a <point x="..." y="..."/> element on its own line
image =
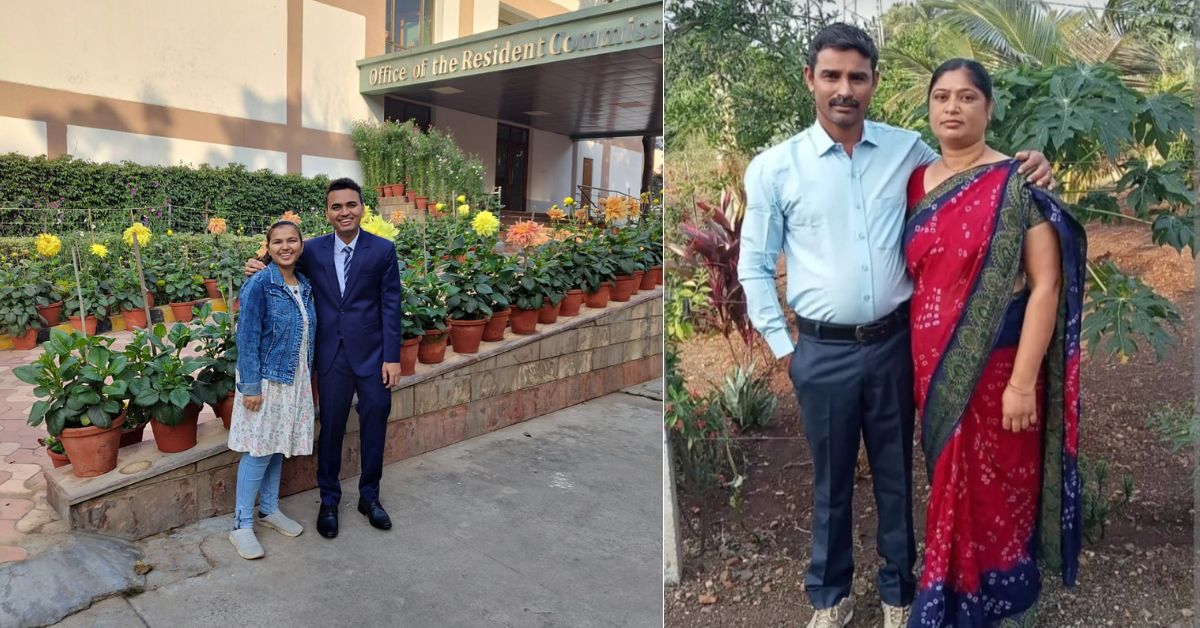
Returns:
<point x="860" y="333"/>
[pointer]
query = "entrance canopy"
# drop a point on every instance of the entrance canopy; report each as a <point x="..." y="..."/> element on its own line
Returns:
<point x="587" y="74"/>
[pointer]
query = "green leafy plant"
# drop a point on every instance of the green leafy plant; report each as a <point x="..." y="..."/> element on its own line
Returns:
<point x="52" y="444"/>
<point x="18" y="301"/>
<point x="1099" y="506"/>
<point x="534" y="284"/>
<point x="469" y="290"/>
<point x="79" y="381"/>
<point x="126" y="290"/>
<point x="182" y="286"/>
<point x="1120" y="308"/>
<point x="424" y="301"/>
<point x="685" y="299"/>
<point x="166" y="384"/>
<point x="746" y="398"/>
<point x="216" y="341"/>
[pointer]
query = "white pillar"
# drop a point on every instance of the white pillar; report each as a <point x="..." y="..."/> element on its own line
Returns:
<point x="671" y="568"/>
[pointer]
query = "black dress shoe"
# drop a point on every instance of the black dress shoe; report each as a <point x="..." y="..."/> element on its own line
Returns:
<point x="375" y="514"/>
<point x="327" y="523"/>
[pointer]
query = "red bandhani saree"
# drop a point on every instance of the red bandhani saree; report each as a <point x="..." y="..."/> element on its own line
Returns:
<point x="1000" y="501"/>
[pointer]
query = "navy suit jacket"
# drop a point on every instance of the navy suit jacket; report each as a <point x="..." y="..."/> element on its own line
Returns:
<point x="367" y="320"/>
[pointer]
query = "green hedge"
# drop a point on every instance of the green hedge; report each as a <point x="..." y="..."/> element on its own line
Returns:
<point x="65" y="189"/>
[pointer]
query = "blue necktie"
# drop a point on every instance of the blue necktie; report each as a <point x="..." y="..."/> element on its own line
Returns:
<point x="346" y="268"/>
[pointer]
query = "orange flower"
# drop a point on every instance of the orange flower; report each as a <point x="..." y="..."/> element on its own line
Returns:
<point x="614" y="209"/>
<point x="397" y="218"/>
<point x="291" y="216"/>
<point x="562" y="235"/>
<point x="556" y="214"/>
<point x="262" y="250"/>
<point x="216" y="226"/>
<point x="633" y="208"/>
<point x="527" y="233"/>
<point x="581" y="215"/>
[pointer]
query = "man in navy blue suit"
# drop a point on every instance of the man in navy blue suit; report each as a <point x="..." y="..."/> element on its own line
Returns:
<point x="356" y="289"/>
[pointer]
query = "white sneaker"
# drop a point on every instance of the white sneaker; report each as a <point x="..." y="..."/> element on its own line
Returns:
<point x="836" y="616"/>
<point x="281" y="523"/>
<point x="246" y="543"/>
<point x="894" y="616"/>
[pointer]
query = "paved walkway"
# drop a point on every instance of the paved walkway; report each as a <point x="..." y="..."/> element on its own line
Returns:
<point x="555" y="521"/>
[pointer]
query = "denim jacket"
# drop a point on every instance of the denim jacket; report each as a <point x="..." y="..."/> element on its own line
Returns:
<point x="268" y="333"/>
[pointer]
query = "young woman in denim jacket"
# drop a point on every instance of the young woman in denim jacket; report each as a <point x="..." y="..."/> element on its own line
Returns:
<point x="273" y="406"/>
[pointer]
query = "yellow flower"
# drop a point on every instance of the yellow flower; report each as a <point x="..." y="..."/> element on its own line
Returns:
<point x="47" y="245"/>
<point x="485" y="223"/>
<point x="373" y="224"/>
<point x="217" y="226"/>
<point x="439" y="207"/>
<point x="556" y="214"/>
<point x="142" y="231"/>
<point x="462" y="198"/>
<point x="170" y="232"/>
<point x="464" y="209"/>
<point x="99" y="250"/>
<point x="527" y="233"/>
<point x="290" y="216"/>
<point x="568" y="201"/>
<point x="657" y="201"/>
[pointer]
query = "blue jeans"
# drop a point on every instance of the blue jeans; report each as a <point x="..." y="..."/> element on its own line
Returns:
<point x="258" y="476"/>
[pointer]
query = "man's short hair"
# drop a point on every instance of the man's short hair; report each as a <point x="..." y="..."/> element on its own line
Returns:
<point x="344" y="183"/>
<point x="843" y="37"/>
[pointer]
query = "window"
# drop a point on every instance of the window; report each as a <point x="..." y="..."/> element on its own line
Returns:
<point x="409" y="24"/>
<point x="401" y="110"/>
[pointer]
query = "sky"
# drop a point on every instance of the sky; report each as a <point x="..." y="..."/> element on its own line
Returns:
<point x="870" y="8"/>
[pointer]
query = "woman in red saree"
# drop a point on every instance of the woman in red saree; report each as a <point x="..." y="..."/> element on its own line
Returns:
<point x="998" y="274"/>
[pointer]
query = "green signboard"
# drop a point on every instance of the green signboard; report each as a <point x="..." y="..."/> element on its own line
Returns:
<point x="624" y="25"/>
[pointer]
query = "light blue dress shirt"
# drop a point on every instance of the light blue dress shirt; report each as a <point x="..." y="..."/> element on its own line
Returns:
<point x="838" y="220"/>
<point x="339" y="258"/>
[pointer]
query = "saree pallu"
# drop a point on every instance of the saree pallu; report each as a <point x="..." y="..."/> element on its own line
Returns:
<point x="1001" y="502"/>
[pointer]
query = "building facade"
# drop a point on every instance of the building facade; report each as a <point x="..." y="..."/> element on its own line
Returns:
<point x="278" y="84"/>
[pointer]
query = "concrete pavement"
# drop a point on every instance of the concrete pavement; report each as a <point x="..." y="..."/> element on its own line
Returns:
<point x="556" y="521"/>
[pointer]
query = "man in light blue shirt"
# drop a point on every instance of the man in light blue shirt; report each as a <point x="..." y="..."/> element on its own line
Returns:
<point x="833" y="200"/>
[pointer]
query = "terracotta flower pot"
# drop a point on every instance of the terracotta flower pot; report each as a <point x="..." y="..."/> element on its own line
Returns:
<point x="658" y="275"/>
<point x="549" y="312"/>
<point x="211" y="286"/>
<point x="89" y="324"/>
<point x="624" y="287"/>
<point x="570" y="304"/>
<point x="58" y="460"/>
<point x="149" y="299"/>
<point x="224" y="410"/>
<point x="637" y="281"/>
<point x="466" y="335"/>
<point x="411" y="195"/>
<point x="382" y="191"/>
<point x="52" y="313"/>
<point x="398" y="189"/>
<point x="649" y="280"/>
<point x="524" y="322"/>
<point x="494" y="330"/>
<point x="432" y="349"/>
<point x="599" y="298"/>
<point x="135" y="318"/>
<point x="422" y="202"/>
<point x="408" y="355"/>
<point x="93" y="450"/>
<point x="25" y="341"/>
<point x="176" y="438"/>
<point x="133" y="436"/>
<point x="183" y="311"/>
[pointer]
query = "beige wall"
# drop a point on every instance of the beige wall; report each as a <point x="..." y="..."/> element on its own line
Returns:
<point x="549" y="170"/>
<point x="160" y="53"/>
<point x="170" y="81"/>
<point x="475" y="135"/>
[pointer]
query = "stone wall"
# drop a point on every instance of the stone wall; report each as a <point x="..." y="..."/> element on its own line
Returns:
<point x="569" y="362"/>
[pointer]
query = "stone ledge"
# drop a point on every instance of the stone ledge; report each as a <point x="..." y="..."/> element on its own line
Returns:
<point x="151" y="492"/>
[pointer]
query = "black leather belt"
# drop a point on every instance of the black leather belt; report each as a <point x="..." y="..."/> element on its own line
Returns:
<point x="868" y="333"/>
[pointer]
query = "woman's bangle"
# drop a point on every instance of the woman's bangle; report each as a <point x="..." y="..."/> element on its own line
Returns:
<point x="1018" y="390"/>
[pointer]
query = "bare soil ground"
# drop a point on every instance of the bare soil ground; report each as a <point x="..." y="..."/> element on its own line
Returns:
<point x="1140" y="574"/>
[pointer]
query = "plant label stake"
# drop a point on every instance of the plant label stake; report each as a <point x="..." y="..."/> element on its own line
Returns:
<point x="79" y="290"/>
<point x="137" y="257"/>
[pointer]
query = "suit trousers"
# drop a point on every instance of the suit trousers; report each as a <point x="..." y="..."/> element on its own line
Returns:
<point x="336" y="391"/>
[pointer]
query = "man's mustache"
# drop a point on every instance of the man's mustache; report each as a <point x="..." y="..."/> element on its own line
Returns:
<point x="843" y="102"/>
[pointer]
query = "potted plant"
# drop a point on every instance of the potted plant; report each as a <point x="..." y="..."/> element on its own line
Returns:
<point x="46" y="271"/>
<point x="626" y="263"/>
<point x="501" y="272"/>
<point x="594" y="269"/>
<point x="54" y="449"/>
<point x="95" y="308"/>
<point x="217" y="342"/>
<point x="182" y="289"/>
<point x="424" y="300"/>
<point x="469" y="295"/>
<point x="138" y="351"/>
<point x="651" y="247"/>
<point x="80" y="383"/>
<point x="411" y="333"/>
<point x="128" y="297"/>
<point x="18" y="307"/>
<point x="534" y="287"/>
<point x="165" y="388"/>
